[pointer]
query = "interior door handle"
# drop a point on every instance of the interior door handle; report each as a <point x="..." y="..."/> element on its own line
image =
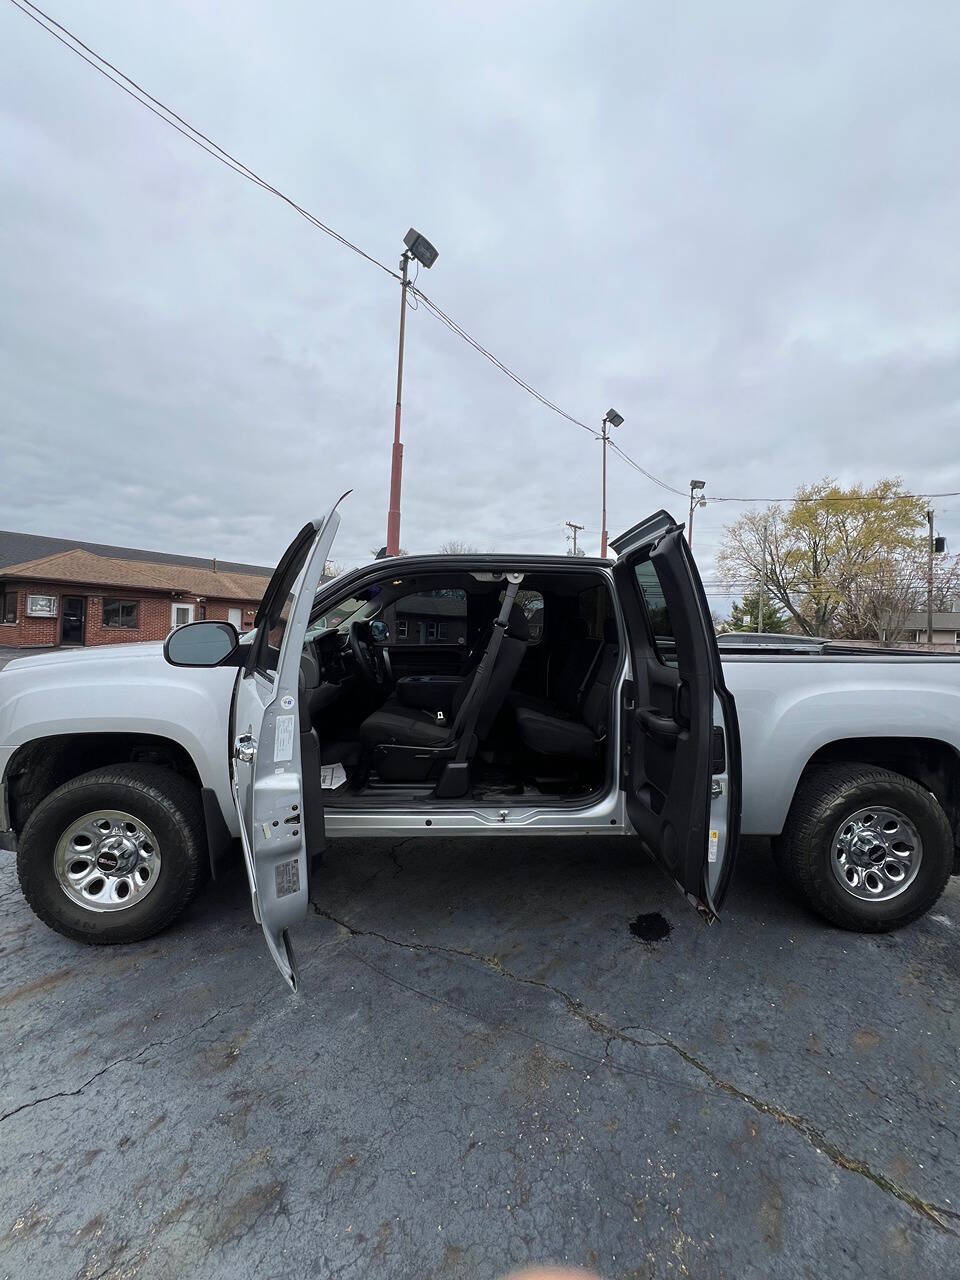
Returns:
<point x="662" y="729"/>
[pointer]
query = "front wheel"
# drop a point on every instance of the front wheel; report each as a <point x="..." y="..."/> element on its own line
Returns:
<point x="115" y="855"/>
<point x="867" y="848"/>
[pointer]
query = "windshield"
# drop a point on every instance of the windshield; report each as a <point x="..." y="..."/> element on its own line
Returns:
<point x="339" y="616"/>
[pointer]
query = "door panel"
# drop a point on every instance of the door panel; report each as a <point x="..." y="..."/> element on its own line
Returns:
<point x="267" y="767"/>
<point x="683" y="792"/>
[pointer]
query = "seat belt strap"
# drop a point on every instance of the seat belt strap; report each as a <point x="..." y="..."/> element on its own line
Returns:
<point x="484" y="672"/>
<point x="590" y="670"/>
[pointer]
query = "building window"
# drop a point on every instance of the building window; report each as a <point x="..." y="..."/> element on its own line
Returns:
<point x="8" y="604"/>
<point x="41" y="606"/>
<point x="121" y="613"/>
<point x="181" y="614"/>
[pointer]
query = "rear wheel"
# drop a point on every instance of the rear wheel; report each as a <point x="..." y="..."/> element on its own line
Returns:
<point x="866" y="848"/>
<point x="115" y="855"/>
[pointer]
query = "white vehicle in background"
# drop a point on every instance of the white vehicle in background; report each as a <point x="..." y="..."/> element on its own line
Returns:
<point x="471" y="695"/>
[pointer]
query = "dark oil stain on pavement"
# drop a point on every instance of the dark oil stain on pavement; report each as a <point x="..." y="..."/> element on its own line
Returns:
<point x="650" y="928"/>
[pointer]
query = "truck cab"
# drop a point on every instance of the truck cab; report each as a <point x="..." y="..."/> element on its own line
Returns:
<point x="433" y="695"/>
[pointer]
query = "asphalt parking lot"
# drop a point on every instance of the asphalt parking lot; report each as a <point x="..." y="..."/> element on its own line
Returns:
<point x="485" y="1065"/>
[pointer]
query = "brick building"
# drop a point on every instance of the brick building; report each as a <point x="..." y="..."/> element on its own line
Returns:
<point x="90" y="594"/>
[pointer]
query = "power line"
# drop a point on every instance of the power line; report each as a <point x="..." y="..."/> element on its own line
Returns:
<point x="458" y="329"/>
<point x="643" y="471"/>
<point x="850" y="497"/>
<point x="170" y="117"/>
<point x="175" y="121"/>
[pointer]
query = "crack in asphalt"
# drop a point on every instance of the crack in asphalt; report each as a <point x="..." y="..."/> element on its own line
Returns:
<point x="392" y="855"/>
<point x="133" y="1057"/>
<point x="937" y="1214"/>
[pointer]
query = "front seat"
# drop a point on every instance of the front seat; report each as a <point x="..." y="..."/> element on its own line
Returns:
<point x="406" y="744"/>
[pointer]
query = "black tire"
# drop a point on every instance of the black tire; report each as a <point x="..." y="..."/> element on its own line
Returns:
<point x="168" y="804"/>
<point x="823" y="798"/>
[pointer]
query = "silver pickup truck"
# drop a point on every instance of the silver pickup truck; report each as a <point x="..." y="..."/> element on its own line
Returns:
<point x="472" y="695"/>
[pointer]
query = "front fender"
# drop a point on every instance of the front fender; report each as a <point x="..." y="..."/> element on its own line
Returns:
<point x="190" y="707"/>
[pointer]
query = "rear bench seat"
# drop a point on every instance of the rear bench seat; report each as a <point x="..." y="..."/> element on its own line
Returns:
<point x="557" y="731"/>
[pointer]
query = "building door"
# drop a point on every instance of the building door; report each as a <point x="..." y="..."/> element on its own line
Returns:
<point x="181" y="614"/>
<point x="236" y="617"/>
<point x="72" y="610"/>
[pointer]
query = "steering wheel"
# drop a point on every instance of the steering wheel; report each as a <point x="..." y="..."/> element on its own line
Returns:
<point x="366" y="655"/>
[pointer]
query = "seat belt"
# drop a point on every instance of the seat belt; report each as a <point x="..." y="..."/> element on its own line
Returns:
<point x="589" y="676"/>
<point x="484" y="671"/>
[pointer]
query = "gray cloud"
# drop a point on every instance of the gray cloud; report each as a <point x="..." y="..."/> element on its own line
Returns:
<point x="736" y="223"/>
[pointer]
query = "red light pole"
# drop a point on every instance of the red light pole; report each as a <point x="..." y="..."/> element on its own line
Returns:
<point x="417" y="246"/>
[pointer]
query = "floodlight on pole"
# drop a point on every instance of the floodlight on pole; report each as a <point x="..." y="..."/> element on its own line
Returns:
<point x="610" y="419"/>
<point x="419" y="248"/>
<point x="699" y="502"/>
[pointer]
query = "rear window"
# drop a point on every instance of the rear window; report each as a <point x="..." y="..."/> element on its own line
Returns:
<point x="593" y="606"/>
<point x="531" y="602"/>
<point x="429" y="617"/>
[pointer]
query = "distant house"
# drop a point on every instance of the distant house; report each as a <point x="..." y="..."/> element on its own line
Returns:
<point x="946" y="630"/>
<point x="433" y="617"/>
<point x="61" y="592"/>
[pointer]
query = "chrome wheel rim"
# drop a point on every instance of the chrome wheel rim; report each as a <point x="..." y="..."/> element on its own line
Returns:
<point x="876" y="854"/>
<point x="107" y="861"/>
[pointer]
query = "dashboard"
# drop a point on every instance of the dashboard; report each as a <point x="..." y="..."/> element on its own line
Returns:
<point x="330" y="658"/>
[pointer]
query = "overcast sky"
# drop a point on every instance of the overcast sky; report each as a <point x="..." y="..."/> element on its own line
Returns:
<point x="736" y="223"/>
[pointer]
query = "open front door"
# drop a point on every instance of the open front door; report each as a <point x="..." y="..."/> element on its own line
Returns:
<point x="681" y="764"/>
<point x="266" y="767"/>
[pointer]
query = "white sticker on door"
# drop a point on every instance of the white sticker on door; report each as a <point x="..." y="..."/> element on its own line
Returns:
<point x="287" y="877"/>
<point x="713" y="846"/>
<point x="283" y="745"/>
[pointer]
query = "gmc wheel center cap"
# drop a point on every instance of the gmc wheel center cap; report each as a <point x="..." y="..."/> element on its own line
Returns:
<point x="116" y="854"/>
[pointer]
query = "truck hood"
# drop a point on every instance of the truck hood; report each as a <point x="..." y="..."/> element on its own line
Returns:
<point x="82" y="658"/>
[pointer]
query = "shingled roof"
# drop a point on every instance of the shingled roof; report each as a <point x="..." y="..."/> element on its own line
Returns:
<point x="108" y="571"/>
<point x="17" y="548"/>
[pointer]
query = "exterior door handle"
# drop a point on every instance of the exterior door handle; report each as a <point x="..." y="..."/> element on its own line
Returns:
<point x="245" y="748"/>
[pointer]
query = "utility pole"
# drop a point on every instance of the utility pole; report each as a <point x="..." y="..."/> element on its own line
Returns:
<point x="610" y="419"/>
<point x="575" y="529"/>
<point x="762" y="593"/>
<point x="419" y="247"/>
<point x="930" y="577"/>
<point x="396" y="461"/>
<point x="700" y="502"/>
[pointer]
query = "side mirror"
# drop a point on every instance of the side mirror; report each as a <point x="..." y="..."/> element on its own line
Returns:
<point x="200" y="644"/>
<point x="379" y="633"/>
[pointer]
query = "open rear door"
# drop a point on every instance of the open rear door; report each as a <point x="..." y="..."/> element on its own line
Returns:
<point x="267" y="772"/>
<point x="681" y="764"/>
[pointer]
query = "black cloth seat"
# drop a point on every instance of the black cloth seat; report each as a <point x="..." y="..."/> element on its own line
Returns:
<point x="559" y="732"/>
<point x="572" y="664"/>
<point x="409" y="725"/>
<point x="555" y="734"/>
<point x="397" y="725"/>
